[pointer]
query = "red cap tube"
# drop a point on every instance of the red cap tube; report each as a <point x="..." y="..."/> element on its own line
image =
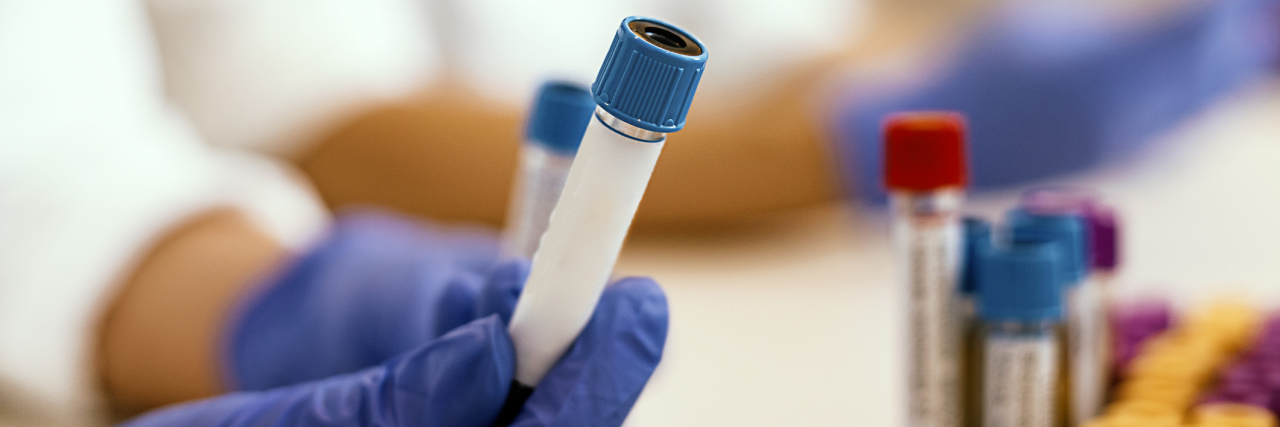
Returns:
<point x="925" y="151"/>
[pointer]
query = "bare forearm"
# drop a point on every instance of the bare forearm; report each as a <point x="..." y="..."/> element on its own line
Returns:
<point x="768" y="156"/>
<point x="447" y="156"/>
<point x="160" y="339"/>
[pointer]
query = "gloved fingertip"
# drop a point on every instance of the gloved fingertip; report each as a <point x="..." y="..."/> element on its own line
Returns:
<point x="640" y="289"/>
<point x="458" y="301"/>
<point x="460" y="379"/>
<point x="643" y="297"/>
<point x="502" y="289"/>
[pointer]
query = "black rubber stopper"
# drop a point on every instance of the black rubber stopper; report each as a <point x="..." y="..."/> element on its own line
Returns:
<point x="515" y="402"/>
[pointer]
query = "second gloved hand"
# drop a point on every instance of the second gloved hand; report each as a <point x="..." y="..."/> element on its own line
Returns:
<point x="1054" y="88"/>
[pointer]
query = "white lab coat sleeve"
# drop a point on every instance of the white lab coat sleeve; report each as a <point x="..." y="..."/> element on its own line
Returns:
<point x="94" y="168"/>
<point x="275" y="75"/>
<point x="505" y="49"/>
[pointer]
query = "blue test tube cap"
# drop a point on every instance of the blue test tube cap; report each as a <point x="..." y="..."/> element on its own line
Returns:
<point x="977" y="237"/>
<point x="1065" y="229"/>
<point x="560" y="114"/>
<point x="1021" y="283"/>
<point x="650" y="74"/>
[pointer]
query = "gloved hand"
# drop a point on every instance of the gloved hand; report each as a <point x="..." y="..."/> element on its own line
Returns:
<point x="1052" y="88"/>
<point x="378" y="285"/>
<point x="461" y="378"/>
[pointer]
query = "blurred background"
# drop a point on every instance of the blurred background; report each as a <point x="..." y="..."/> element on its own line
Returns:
<point x="763" y="221"/>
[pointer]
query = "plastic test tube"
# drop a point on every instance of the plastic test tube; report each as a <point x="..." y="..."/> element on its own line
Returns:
<point x="977" y="238"/>
<point x="1104" y="257"/>
<point x="642" y="93"/>
<point x="1020" y="307"/>
<point x="559" y="117"/>
<point x="1084" y="393"/>
<point x="926" y="174"/>
<point x="1090" y="298"/>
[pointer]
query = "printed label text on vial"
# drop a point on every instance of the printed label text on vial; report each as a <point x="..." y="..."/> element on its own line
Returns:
<point x="1018" y="387"/>
<point x="933" y="387"/>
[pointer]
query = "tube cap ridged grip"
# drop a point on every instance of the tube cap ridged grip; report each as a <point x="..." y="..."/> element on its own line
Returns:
<point x="1020" y="283"/>
<point x="645" y="85"/>
<point x="1067" y="230"/>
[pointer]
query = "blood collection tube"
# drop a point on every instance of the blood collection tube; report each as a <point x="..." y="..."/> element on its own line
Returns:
<point x="1089" y="302"/>
<point x="559" y="117"/>
<point x="643" y="92"/>
<point x="1020" y="308"/>
<point x="1104" y="257"/>
<point x="977" y="238"/>
<point x="926" y="171"/>
<point x="1084" y="392"/>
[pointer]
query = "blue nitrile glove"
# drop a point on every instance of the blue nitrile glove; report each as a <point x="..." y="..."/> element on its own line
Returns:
<point x="1055" y="87"/>
<point x="461" y="379"/>
<point x="376" y="286"/>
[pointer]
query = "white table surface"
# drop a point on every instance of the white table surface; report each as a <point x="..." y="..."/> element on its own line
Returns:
<point x="794" y="321"/>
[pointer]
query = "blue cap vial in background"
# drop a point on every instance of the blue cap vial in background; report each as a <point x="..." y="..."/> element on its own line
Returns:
<point x="1021" y="283"/>
<point x="559" y="116"/>
<point x="1067" y="230"/>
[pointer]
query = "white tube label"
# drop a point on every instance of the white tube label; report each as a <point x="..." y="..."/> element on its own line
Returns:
<point x="1018" y="383"/>
<point x="931" y="249"/>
